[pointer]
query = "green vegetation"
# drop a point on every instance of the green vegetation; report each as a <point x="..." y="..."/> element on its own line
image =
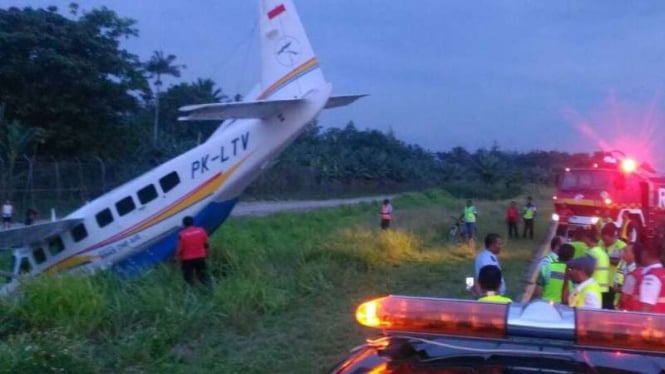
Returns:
<point x="285" y="305"/>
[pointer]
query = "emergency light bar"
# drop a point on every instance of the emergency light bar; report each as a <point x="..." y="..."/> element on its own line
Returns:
<point x="626" y="330"/>
<point x="435" y="316"/>
<point x="464" y="318"/>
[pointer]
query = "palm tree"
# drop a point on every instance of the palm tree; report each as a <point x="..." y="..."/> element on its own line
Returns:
<point x="158" y="66"/>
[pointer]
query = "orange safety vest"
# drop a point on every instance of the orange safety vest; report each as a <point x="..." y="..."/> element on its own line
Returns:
<point x="193" y="242"/>
<point x="386" y="212"/>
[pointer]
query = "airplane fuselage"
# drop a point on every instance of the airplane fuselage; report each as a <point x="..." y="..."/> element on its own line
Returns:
<point x="136" y="225"/>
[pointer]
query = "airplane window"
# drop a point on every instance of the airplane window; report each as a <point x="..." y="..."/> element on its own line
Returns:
<point x="39" y="255"/>
<point x="169" y="181"/>
<point x="104" y="217"/>
<point x="25" y="266"/>
<point x="147" y="194"/>
<point x="55" y="245"/>
<point x="79" y="232"/>
<point x="125" y="206"/>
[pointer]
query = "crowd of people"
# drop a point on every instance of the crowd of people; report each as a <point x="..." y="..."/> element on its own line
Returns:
<point x="606" y="268"/>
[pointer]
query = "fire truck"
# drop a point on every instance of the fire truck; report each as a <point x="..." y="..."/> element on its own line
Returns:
<point x="607" y="188"/>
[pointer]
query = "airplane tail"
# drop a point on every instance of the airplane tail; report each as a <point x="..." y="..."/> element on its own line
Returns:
<point x="289" y="68"/>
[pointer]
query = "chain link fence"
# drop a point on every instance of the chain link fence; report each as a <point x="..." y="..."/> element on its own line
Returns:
<point x="43" y="184"/>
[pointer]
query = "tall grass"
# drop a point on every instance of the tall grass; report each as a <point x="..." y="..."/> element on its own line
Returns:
<point x="282" y="298"/>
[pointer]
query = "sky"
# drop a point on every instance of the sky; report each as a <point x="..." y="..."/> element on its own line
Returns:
<point x="555" y="75"/>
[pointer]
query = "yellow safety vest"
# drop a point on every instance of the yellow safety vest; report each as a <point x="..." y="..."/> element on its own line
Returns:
<point x="495" y="299"/>
<point x="553" y="288"/>
<point x="528" y="213"/>
<point x="469" y="214"/>
<point x="577" y="299"/>
<point x="602" y="273"/>
<point x="580" y="249"/>
<point x="614" y="251"/>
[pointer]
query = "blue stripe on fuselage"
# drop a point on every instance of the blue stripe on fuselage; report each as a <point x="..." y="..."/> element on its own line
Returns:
<point x="210" y="218"/>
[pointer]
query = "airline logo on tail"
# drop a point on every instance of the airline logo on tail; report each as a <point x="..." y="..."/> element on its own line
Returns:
<point x="279" y="9"/>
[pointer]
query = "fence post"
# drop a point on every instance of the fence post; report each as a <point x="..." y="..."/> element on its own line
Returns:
<point x="28" y="184"/>
<point x="57" y="180"/>
<point x="103" y="169"/>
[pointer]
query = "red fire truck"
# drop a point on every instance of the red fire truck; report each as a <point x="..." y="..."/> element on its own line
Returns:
<point x="609" y="187"/>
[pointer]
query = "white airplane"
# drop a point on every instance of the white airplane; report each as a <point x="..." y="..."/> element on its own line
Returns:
<point x="135" y="225"/>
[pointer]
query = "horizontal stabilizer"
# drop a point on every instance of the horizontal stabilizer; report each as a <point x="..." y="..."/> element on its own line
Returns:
<point x="337" y="101"/>
<point x="25" y="235"/>
<point x="247" y="109"/>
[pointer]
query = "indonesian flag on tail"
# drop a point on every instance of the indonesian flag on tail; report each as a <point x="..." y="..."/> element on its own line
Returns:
<point x="279" y="9"/>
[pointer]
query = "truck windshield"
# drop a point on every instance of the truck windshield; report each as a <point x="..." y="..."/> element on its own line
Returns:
<point x="594" y="180"/>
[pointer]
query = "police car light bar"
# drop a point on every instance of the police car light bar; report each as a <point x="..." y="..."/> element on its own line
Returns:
<point x="465" y="318"/>
<point x="435" y="316"/>
<point x="624" y="330"/>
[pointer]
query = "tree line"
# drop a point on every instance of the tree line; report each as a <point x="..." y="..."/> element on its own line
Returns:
<point x="69" y="89"/>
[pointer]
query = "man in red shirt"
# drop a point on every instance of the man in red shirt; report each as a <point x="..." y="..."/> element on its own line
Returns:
<point x="192" y="251"/>
<point x="512" y="216"/>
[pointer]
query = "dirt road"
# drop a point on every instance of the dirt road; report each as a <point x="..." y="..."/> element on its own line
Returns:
<point x="265" y="208"/>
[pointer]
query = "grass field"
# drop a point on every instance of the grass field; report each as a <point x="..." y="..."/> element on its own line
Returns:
<point x="286" y="302"/>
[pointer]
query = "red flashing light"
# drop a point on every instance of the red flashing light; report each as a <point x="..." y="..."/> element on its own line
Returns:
<point x="435" y="316"/>
<point x="608" y="201"/>
<point x="628" y="165"/>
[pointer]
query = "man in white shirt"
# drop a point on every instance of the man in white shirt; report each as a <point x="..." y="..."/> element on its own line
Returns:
<point x="7" y="212"/>
<point x="489" y="256"/>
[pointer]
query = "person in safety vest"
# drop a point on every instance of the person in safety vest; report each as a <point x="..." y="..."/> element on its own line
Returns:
<point x="578" y="243"/>
<point x="624" y="279"/>
<point x="544" y="265"/>
<point x="192" y="251"/>
<point x="553" y="276"/>
<point x="386" y="214"/>
<point x="469" y="216"/>
<point x="528" y="214"/>
<point x="601" y="273"/>
<point x="614" y="249"/>
<point x="651" y="280"/>
<point x="628" y="231"/>
<point x="586" y="293"/>
<point x="490" y="279"/>
<point x="512" y="217"/>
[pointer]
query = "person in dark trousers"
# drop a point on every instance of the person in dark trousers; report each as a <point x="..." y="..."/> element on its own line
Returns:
<point x="512" y="216"/>
<point x="192" y="251"/>
<point x="528" y="214"/>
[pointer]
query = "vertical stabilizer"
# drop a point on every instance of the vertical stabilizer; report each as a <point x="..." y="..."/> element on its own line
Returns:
<point x="289" y="68"/>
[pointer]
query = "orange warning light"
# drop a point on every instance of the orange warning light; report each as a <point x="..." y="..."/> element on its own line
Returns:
<point x="434" y="316"/>
<point x="620" y="330"/>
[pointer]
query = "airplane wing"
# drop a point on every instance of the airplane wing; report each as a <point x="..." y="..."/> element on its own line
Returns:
<point x="245" y="109"/>
<point x="337" y="101"/>
<point x="24" y="235"/>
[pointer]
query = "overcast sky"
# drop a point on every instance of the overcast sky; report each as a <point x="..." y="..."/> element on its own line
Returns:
<point x="567" y="75"/>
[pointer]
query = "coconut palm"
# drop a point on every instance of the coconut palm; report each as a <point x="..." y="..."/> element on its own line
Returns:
<point x="159" y="65"/>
